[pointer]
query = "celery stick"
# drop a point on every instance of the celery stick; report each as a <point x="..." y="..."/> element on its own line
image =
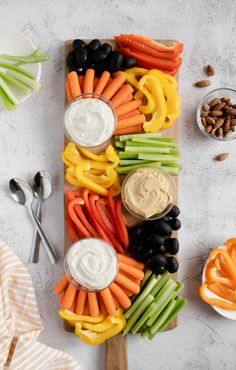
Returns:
<point x="14" y="82"/>
<point x="35" y="53"/>
<point x="130" y="162"/>
<point x="128" y="155"/>
<point x="171" y="170"/>
<point x="180" y="304"/>
<point x="158" y="157"/>
<point x="119" y="144"/>
<point x="27" y="59"/>
<point x="159" y="142"/>
<point x="8" y="91"/>
<point x="174" y="152"/>
<point x="172" y="164"/>
<point x="27" y="81"/>
<point x="146" y="149"/>
<point x="164" y="278"/>
<point x="145" y="331"/>
<point x="152" y="135"/>
<point x="6" y="101"/>
<point x="17" y="69"/>
<point x="153" y="144"/>
<point x="126" y="169"/>
<point x="151" y="283"/>
<point x="147" y="275"/>
<point x="137" y="313"/>
<point x="161" y="300"/>
<point x="162" y="318"/>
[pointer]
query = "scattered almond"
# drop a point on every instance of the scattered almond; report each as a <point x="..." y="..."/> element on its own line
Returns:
<point x="203" y="83"/>
<point x="210" y="70"/>
<point x="222" y="156"/>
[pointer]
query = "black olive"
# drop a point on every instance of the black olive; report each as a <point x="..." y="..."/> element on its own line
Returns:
<point x="81" y="57"/>
<point x="71" y="62"/>
<point x="162" y="228"/>
<point x="128" y="62"/>
<point x="79" y="44"/>
<point x="154" y="240"/>
<point x="99" y="55"/>
<point x="135" y="248"/>
<point x="158" y="259"/>
<point x="172" y="245"/>
<point x="115" y="61"/>
<point x="174" y="212"/>
<point x="175" y="224"/>
<point x="158" y="270"/>
<point x="106" y="48"/>
<point x="93" y="45"/>
<point x="90" y="65"/>
<point x="80" y="70"/>
<point x="160" y="249"/>
<point x="165" y="218"/>
<point x="172" y="265"/>
<point x="136" y="232"/>
<point x="145" y="255"/>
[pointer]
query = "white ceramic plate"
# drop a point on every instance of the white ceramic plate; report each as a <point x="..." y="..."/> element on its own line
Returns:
<point x="14" y="43"/>
<point x="226" y="313"/>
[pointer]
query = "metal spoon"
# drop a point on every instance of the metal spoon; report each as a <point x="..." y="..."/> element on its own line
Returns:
<point x="42" y="188"/>
<point x="23" y="194"/>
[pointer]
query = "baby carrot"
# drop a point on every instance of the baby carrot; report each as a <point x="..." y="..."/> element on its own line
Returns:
<point x="108" y="301"/>
<point x="128" y="99"/>
<point x="120" y="295"/>
<point x="114" y="85"/>
<point x="95" y="82"/>
<point x="133" y="272"/>
<point x="74" y="84"/>
<point x="121" y="95"/>
<point x="68" y="91"/>
<point x="130" y="114"/>
<point x="73" y="306"/>
<point x="61" y="285"/>
<point x="127" y="292"/>
<point x="86" y="308"/>
<point x="117" y="304"/>
<point x="130" y="261"/>
<point x="81" y="82"/>
<point x="131" y="121"/>
<point x="127" y="283"/>
<point x="102" y="83"/>
<point x="61" y="299"/>
<point x="93" y="304"/>
<point x="81" y="299"/>
<point x="101" y="304"/>
<point x="128" y="107"/>
<point x="69" y="296"/>
<point x="88" y="81"/>
<point x="130" y="130"/>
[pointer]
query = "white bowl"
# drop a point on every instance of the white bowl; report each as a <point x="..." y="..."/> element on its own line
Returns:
<point x="226" y="313"/>
<point x="14" y="43"/>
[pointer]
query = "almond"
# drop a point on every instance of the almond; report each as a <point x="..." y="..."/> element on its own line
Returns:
<point x="206" y="107"/>
<point x="203" y="83"/>
<point x="214" y="102"/>
<point x="233" y="122"/>
<point x="222" y="156"/>
<point x="210" y="70"/>
<point x="210" y="120"/>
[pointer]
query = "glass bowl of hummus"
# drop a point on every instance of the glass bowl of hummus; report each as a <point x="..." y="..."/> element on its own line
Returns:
<point x="90" y="120"/>
<point x="91" y="264"/>
<point x="148" y="193"/>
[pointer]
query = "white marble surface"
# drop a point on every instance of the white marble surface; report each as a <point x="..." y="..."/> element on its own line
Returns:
<point x="32" y="138"/>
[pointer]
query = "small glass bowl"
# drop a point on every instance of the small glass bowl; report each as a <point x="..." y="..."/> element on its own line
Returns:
<point x="70" y="277"/>
<point x="158" y="215"/>
<point x="91" y="96"/>
<point x="217" y="93"/>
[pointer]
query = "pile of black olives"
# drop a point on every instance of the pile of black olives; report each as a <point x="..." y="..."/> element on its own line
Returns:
<point x="98" y="56"/>
<point x="152" y="241"/>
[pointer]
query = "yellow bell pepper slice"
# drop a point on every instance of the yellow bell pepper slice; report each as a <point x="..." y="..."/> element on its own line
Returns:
<point x="70" y="316"/>
<point x="112" y="156"/>
<point x="95" y="157"/>
<point x="103" y="180"/>
<point x="80" y="172"/>
<point x="99" y="328"/>
<point x="70" y="176"/>
<point x="132" y="73"/>
<point x="71" y="153"/>
<point x="66" y="161"/>
<point x="151" y="104"/>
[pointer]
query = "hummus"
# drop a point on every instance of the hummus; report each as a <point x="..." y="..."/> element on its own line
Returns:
<point x="147" y="192"/>
<point x="92" y="263"/>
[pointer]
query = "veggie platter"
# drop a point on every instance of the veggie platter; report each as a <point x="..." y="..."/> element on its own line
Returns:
<point x="121" y="190"/>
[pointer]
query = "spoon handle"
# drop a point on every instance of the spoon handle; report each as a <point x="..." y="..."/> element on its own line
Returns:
<point x="34" y="255"/>
<point x="47" y="245"/>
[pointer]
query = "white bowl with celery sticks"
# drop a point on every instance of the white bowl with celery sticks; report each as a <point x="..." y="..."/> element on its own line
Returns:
<point x="20" y="68"/>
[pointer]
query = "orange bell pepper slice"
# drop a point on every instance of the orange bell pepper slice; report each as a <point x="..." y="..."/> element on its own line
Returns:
<point x="214" y="301"/>
<point x="228" y="260"/>
<point x="212" y="275"/>
<point x="223" y="291"/>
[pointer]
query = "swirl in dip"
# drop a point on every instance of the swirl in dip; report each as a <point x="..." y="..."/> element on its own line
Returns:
<point x="147" y="192"/>
<point x="89" y="122"/>
<point x="92" y="263"/>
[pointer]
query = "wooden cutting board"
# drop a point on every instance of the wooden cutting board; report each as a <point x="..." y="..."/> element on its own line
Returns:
<point x="116" y="347"/>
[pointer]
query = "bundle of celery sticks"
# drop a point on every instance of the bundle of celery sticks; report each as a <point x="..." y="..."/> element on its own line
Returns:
<point x="13" y="76"/>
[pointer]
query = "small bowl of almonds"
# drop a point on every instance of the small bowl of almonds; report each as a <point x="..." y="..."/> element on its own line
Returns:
<point x="216" y="114"/>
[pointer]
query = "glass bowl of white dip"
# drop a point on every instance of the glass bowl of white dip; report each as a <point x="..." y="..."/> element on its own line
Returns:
<point x="90" y="120"/>
<point x="91" y="264"/>
<point x="148" y="193"/>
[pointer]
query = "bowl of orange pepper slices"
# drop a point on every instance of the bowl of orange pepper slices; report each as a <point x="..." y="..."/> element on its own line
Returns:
<point x="219" y="279"/>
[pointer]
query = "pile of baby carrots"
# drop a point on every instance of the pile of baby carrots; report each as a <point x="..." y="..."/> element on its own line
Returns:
<point x="126" y="284"/>
<point x="151" y="54"/>
<point x="130" y="119"/>
<point x="91" y="215"/>
<point x="220" y="277"/>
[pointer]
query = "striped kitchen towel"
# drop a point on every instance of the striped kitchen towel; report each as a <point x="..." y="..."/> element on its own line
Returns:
<point x="20" y="322"/>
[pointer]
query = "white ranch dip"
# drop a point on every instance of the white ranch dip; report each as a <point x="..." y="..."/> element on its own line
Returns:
<point x="89" y="122"/>
<point x="92" y="263"/>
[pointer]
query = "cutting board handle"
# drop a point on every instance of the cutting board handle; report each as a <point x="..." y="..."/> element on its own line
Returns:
<point x="116" y="353"/>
